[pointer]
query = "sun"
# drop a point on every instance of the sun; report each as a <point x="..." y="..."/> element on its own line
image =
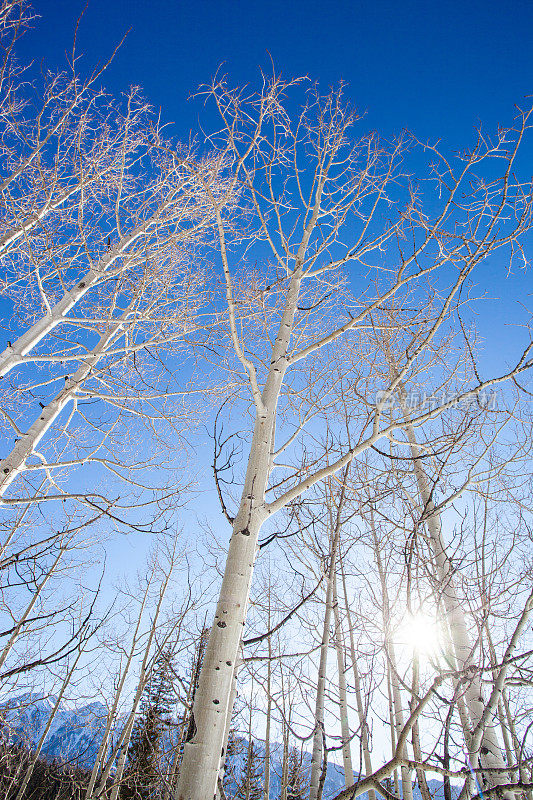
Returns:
<point x="420" y="633"/>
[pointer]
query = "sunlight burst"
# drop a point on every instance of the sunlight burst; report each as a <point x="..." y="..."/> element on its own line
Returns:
<point x="420" y="633"/>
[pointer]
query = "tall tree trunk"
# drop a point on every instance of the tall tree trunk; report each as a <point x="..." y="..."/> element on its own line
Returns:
<point x="519" y="756"/>
<point x="317" y="754"/>
<point x="365" y="745"/>
<point x="201" y="758"/>
<point x="266" y="782"/>
<point x="102" y="750"/>
<point x="407" y="786"/>
<point x="285" y="764"/>
<point x="343" y="702"/>
<point x="491" y="756"/>
<point x="415" y="732"/>
<point x="392" y="725"/>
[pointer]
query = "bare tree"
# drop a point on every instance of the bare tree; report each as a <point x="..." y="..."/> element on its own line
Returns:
<point x="316" y="199"/>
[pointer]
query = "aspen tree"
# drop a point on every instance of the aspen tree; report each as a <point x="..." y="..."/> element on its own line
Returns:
<point x="361" y="713"/>
<point x="303" y="180"/>
<point x="343" y="700"/>
<point x="335" y="517"/>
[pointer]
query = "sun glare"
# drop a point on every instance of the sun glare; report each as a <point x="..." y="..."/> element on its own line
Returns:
<point x="419" y="633"/>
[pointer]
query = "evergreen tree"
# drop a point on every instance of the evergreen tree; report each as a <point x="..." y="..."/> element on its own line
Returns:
<point x="233" y="750"/>
<point x="296" y="782"/>
<point x="141" y="778"/>
<point x="186" y="726"/>
<point x="252" y="778"/>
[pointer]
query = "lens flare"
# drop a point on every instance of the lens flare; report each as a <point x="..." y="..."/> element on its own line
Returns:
<point x="420" y="634"/>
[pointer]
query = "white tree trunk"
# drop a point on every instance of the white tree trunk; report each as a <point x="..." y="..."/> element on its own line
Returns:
<point x="343" y="701"/>
<point x="266" y="782"/>
<point x="318" y="742"/>
<point x="365" y="745"/>
<point x="407" y="785"/>
<point x="14" y="463"/>
<point x="392" y="725"/>
<point x="201" y="758"/>
<point x="491" y="755"/>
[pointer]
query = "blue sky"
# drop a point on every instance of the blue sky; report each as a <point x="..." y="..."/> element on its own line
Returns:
<point x="435" y="68"/>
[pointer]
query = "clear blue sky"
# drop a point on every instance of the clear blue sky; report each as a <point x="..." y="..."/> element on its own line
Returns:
<point x="435" y="68"/>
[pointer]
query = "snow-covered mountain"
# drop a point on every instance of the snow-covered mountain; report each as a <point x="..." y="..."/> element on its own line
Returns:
<point x="75" y="735"/>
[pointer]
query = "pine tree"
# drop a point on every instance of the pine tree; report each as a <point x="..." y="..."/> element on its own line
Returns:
<point x="141" y="778"/>
<point x="233" y="750"/>
<point x="186" y="724"/>
<point x="296" y="782"/>
<point x="252" y="779"/>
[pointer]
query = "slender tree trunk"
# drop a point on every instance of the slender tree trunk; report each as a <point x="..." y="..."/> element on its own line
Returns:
<point x="415" y="731"/>
<point x="392" y="725"/>
<point x="365" y="745"/>
<point x="491" y="756"/>
<point x="317" y="754"/>
<point x="407" y="786"/>
<point x="102" y="750"/>
<point x="524" y="777"/>
<point x="121" y="746"/>
<point x="266" y="782"/>
<point x="38" y="748"/>
<point x="201" y="758"/>
<point x="343" y="701"/>
<point x="285" y="764"/>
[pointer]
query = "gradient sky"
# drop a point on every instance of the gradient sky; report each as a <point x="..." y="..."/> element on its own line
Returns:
<point x="437" y="69"/>
<point x="434" y="68"/>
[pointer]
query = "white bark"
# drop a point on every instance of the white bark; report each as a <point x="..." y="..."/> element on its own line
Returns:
<point x="407" y="785"/>
<point x="15" y="462"/>
<point x="343" y="701"/>
<point x="201" y="758"/>
<point x="491" y="756"/>
<point x="285" y="764"/>
<point x="365" y="744"/>
<point x="317" y="753"/>
<point x="318" y="743"/>
<point x="392" y="725"/>
<point x="415" y="733"/>
<point x="266" y="781"/>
